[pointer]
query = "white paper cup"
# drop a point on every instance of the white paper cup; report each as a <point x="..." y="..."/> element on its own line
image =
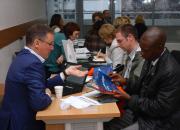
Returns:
<point x="58" y="91"/>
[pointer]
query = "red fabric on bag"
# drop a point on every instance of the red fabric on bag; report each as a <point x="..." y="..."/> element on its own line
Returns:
<point x="121" y="103"/>
<point x="91" y="72"/>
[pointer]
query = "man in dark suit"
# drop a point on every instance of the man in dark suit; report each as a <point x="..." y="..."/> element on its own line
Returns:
<point x="155" y="104"/>
<point x="26" y="82"/>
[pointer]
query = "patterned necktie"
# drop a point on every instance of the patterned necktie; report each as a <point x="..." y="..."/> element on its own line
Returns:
<point x="126" y="68"/>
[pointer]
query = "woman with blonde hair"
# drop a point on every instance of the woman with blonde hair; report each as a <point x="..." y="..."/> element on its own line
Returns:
<point x="140" y="25"/>
<point x="114" y="53"/>
<point x="119" y="21"/>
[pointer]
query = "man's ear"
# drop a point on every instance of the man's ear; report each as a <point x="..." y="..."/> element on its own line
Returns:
<point x="130" y="37"/>
<point x="36" y="43"/>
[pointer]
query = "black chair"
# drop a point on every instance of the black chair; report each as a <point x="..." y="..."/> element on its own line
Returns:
<point x="176" y="54"/>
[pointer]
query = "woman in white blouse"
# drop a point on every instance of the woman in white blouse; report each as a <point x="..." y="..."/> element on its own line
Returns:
<point x="72" y="32"/>
<point x="114" y="53"/>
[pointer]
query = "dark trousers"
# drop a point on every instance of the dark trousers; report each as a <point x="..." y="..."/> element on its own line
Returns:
<point x="119" y="123"/>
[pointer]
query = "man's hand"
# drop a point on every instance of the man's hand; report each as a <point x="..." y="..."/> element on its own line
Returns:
<point x="48" y="92"/>
<point x="74" y="70"/>
<point x="121" y="95"/>
<point x="117" y="78"/>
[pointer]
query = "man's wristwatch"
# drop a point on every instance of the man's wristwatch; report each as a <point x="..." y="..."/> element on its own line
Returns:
<point x="65" y="74"/>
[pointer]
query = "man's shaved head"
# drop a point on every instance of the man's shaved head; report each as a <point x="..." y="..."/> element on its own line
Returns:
<point x="152" y="43"/>
<point x="156" y="36"/>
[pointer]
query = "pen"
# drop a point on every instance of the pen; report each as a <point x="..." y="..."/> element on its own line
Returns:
<point x="98" y="52"/>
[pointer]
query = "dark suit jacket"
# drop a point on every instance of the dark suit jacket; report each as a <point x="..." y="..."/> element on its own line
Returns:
<point x="156" y="104"/>
<point x="25" y="93"/>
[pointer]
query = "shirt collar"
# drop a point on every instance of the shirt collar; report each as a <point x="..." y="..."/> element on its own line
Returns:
<point x="34" y="53"/>
<point x="154" y="62"/>
<point x="133" y="53"/>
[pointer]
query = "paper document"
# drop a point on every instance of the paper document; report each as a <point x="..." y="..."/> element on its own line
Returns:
<point x="88" y="78"/>
<point x="82" y="56"/>
<point x="81" y="50"/>
<point x="79" y="42"/>
<point x="97" y="59"/>
<point x="93" y="93"/>
<point x="80" y="102"/>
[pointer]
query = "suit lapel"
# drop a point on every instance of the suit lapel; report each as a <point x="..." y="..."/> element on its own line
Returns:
<point x="144" y="70"/>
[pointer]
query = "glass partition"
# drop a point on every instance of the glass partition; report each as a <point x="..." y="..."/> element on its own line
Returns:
<point x="91" y="6"/>
<point x="164" y="13"/>
<point x="67" y="9"/>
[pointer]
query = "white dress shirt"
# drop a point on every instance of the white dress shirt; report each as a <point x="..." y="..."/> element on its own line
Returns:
<point x="71" y="55"/>
<point x="129" y="62"/>
<point x="115" y="54"/>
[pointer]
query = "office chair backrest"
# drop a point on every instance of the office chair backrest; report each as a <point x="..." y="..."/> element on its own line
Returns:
<point x="176" y="54"/>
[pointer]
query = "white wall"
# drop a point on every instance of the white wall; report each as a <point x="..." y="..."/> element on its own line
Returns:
<point x="15" y="12"/>
<point x="12" y="13"/>
<point x="6" y="55"/>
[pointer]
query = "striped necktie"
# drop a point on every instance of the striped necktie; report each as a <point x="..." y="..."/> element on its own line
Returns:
<point x="126" y="68"/>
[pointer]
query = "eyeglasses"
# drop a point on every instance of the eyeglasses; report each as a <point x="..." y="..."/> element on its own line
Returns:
<point x="49" y="43"/>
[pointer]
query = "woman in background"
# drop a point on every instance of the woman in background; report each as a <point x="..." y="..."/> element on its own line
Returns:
<point x="57" y="23"/>
<point x="72" y="32"/>
<point x="54" y="63"/>
<point x="120" y="21"/>
<point x="97" y="16"/>
<point x="140" y="25"/>
<point x="114" y="53"/>
<point x="93" y="42"/>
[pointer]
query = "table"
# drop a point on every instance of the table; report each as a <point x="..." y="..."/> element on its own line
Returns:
<point x="90" y="118"/>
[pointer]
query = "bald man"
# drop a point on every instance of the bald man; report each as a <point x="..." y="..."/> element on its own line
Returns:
<point x="156" y="106"/>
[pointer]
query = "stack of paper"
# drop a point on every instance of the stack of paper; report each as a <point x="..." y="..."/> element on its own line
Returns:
<point x="80" y="102"/>
<point x="93" y="93"/>
<point x="97" y="59"/>
<point x="81" y="53"/>
<point x="82" y="56"/>
<point x="81" y="50"/>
